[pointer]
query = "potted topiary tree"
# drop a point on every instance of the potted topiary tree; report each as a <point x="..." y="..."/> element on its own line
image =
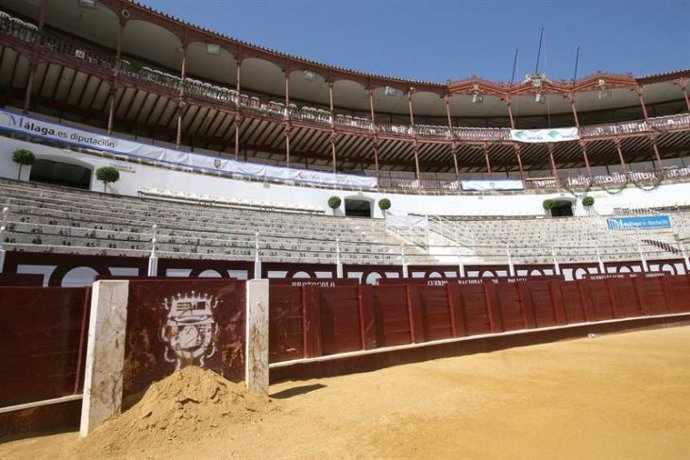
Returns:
<point x="23" y="157"/>
<point x="588" y="202"/>
<point x="107" y="174"/>
<point x="334" y="203"/>
<point x="549" y="205"/>
<point x="384" y="205"/>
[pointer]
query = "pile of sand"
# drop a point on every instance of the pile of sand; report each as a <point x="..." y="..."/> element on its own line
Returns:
<point x="186" y="405"/>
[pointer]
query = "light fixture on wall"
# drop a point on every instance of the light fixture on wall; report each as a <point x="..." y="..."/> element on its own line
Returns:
<point x="87" y="3"/>
<point x="604" y="92"/>
<point x="477" y="96"/>
<point x="539" y="98"/>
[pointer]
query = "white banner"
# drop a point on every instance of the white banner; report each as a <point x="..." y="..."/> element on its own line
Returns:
<point x="538" y="136"/>
<point x="86" y="139"/>
<point x="489" y="185"/>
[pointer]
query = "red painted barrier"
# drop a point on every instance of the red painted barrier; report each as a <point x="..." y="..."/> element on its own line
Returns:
<point x="40" y="343"/>
<point x="285" y="323"/>
<point x="342" y="319"/>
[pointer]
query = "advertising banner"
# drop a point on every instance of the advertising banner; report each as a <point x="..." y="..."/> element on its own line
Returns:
<point x="539" y="136"/>
<point x="10" y="121"/>
<point x="638" y="222"/>
<point x="491" y="185"/>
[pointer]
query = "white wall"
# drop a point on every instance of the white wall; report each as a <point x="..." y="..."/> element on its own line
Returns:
<point x="134" y="175"/>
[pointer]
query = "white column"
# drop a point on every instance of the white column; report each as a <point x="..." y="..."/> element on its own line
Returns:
<point x="256" y="352"/>
<point x="153" y="258"/>
<point x="511" y="267"/>
<point x="461" y="265"/>
<point x="257" y="259"/>
<point x="105" y="353"/>
<point x="602" y="268"/>
<point x="3" y="229"/>
<point x="556" y="266"/>
<point x="404" y="261"/>
<point x="682" y="251"/>
<point x="645" y="267"/>
<point x="338" y="262"/>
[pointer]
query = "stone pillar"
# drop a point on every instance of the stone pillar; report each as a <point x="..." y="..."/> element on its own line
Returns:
<point x="256" y="353"/>
<point x="105" y="353"/>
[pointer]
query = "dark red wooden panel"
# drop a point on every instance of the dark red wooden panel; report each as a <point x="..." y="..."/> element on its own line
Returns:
<point x="598" y="297"/>
<point x="158" y="341"/>
<point x="391" y="317"/>
<point x="652" y="295"/>
<point x="539" y="303"/>
<point x="625" y="297"/>
<point x="510" y="306"/>
<point x="677" y="290"/>
<point x="340" y="325"/>
<point x="474" y="308"/>
<point x="568" y="295"/>
<point x="39" y="344"/>
<point x="435" y="309"/>
<point x="285" y="323"/>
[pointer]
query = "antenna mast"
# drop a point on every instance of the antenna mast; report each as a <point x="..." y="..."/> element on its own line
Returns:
<point x="541" y="37"/>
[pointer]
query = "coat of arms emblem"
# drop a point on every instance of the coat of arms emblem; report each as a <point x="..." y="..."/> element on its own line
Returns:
<point x="190" y="329"/>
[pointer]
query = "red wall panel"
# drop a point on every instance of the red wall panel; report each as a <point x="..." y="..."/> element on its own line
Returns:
<point x="598" y="299"/>
<point x="509" y="306"/>
<point x="391" y="315"/>
<point x="540" y="304"/>
<point x="40" y="342"/>
<point x="473" y="305"/>
<point x="435" y="313"/>
<point x="677" y="290"/>
<point x="339" y="315"/>
<point x="285" y="323"/>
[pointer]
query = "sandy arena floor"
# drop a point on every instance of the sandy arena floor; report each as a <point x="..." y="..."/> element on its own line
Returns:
<point x="616" y="396"/>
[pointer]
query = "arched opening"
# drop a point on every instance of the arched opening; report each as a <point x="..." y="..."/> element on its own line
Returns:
<point x="357" y="207"/>
<point x="58" y="173"/>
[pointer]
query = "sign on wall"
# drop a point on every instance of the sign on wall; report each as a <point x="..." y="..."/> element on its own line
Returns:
<point x="539" y="136"/>
<point x="638" y="222"/>
<point x="490" y="185"/>
<point x="92" y="140"/>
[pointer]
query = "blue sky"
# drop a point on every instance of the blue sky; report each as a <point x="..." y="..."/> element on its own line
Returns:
<point x="437" y="40"/>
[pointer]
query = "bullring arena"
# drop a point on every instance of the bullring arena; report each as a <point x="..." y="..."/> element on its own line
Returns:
<point x="210" y="248"/>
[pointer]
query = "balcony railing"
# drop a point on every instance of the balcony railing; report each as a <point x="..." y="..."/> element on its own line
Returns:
<point x="196" y="89"/>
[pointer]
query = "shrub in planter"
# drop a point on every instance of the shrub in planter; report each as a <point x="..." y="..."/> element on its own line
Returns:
<point x="549" y="204"/>
<point x="384" y="204"/>
<point x="107" y="174"/>
<point x="334" y="203"/>
<point x="588" y="202"/>
<point x="23" y="157"/>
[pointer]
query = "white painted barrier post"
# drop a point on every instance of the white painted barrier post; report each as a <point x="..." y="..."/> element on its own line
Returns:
<point x="682" y="251"/>
<point x="602" y="268"/>
<point x="3" y="228"/>
<point x="511" y="267"/>
<point x="645" y="267"/>
<point x="338" y="262"/>
<point x="105" y="353"/>
<point x="461" y="265"/>
<point x="257" y="259"/>
<point x="153" y="258"/>
<point x="556" y="266"/>
<point x="404" y="261"/>
<point x="256" y="352"/>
